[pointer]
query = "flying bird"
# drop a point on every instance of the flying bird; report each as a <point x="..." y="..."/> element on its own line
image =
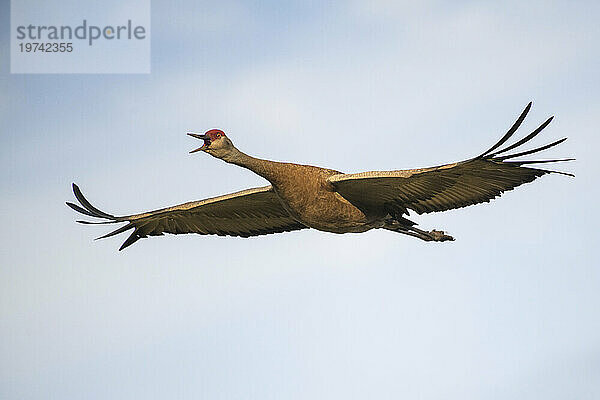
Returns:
<point x="304" y="196"/>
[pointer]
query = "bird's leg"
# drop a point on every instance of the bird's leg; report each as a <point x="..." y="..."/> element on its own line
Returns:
<point x="433" y="235"/>
<point x="428" y="236"/>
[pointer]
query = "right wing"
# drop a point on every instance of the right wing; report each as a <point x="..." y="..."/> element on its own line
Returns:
<point x="251" y="212"/>
<point x="449" y="186"/>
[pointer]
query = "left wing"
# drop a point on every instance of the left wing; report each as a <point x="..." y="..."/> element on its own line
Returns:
<point x="449" y="186"/>
<point x="250" y="212"/>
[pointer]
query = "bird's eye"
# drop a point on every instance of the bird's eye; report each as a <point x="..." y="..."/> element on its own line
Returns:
<point x="218" y="135"/>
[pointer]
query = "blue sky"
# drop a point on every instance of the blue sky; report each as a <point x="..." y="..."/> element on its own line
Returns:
<point x="509" y="310"/>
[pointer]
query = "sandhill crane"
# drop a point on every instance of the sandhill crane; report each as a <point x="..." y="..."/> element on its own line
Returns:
<point x="304" y="196"/>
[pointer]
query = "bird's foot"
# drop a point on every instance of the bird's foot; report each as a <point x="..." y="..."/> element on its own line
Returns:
<point x="428" y="236"/>
<point x="439" y="236"/>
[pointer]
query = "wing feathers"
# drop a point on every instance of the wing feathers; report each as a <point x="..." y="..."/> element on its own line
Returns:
<point x="528" y="137"/>
<point x="247" y="213"/>
<point x="511" y="131"/>
<point x="80" y="209"/>
<point x="539" y="161"/>
<point x="536" y="150"/>
<point x="117" y="231"/>
<point x="96" y="222"/>
<point x="130" y="240"/>
<point x="93" y="210"/>
<point x="456" y="185"/>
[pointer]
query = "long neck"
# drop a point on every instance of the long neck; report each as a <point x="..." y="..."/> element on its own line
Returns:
<point x="264" y="168"/>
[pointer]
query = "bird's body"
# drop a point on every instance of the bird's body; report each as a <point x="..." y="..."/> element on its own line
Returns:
<point x="304" y="196"/>
<point x="312" y="200"/>
<point x="307" y="195"/>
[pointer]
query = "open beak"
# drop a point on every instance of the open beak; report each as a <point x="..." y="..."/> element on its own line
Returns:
<point x="203" y="137"/>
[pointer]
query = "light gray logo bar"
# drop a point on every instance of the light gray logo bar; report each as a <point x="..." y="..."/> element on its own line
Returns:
<point x="80" y="37"/>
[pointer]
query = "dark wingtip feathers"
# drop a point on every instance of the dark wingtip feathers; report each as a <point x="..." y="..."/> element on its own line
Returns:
<point x="134" y="237"/>
<point x="79" y="209"/>
<point x="92" y="211"/>
<point x="86" y="208"/>
<point x="116" y="231"/>
<point x="520" y="163"/>
<point x="510" y="132"/>
<point x="528" y="137"/>
<point x="524" y="153"/>
<point x="492" y="155"/>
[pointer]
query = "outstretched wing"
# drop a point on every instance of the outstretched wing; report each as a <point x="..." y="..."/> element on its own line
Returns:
<point x="247" y="213"/>
<point x="445" y="187"/>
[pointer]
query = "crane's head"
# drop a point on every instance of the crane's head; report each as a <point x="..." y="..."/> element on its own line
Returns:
<point x="215" y="143"/>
